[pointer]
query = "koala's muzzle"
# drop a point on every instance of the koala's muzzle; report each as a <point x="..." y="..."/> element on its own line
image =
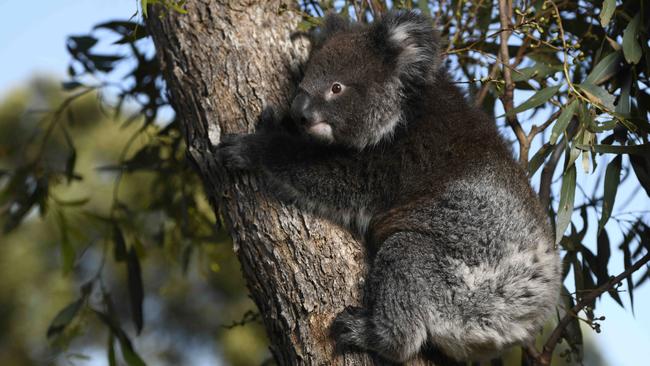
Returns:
<point x="305" y="114"/>
<point x="302" y="110"/>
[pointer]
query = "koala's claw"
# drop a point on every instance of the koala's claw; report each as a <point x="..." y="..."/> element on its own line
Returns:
<point x="232" y="153"/>
<point x="348" y="328"/>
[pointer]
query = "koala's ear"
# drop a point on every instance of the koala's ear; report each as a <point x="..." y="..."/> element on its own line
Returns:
<point x="333" y="23"/>
<point x="412" y="43"/>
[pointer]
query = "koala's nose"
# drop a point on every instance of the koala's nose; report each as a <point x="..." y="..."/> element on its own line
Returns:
<point x="300" y="108"/>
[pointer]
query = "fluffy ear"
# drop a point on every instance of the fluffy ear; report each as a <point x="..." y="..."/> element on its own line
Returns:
<point x="409" y="38"/>
<point x="333" y="23"/>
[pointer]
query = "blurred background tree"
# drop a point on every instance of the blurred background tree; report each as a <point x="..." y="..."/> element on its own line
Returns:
<point x="110" y="245"/>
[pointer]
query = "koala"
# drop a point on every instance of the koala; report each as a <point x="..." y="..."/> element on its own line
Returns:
<point x="383" y="143"/>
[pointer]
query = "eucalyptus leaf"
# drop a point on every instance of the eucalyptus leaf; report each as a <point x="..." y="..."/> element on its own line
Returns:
<point x="563" y="121"/>
<point x="538" y="159"/>
<point x="64" y="317"/>
<point x="612" y="179"/>
<point x="598" y="95"/>
<point x="607" y="67"/>
<point x="631" y="47"/>
<point x="607" y="11"/>
<point x="565" y="208"/>
<point x="136" y="290"/>
<point x="539" y="98"/>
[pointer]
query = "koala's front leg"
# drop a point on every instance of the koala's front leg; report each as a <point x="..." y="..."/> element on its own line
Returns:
<point x="329" y="181"/>
<point x="238" y="152"/>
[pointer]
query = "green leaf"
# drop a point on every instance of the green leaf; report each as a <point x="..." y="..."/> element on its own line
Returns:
<point x="598" y="95"/>
<point x="565" y="208"/>
<point x="631" y="47"/>
<point x="607" y="67"/>
<point x="70" y="85"/>
<point x="119" y="250"/>
<point x="539" y="158"/>
<point x="627" y="263"/>
<point x="641" y="166"/>
<point x="83" y="43"/>
<point x="70" y="164"/>
<point x="573" y="151"/>
<point x="111" y="350"/>
<point x="74" y="203"/>
<point x="128" y="352"/>
<point x="607" y="11"/>
<point x="573" y="334"/>
<point x="136" y="291"/>
<point x="623" y="106"/>
<point x="563" y="121"/>
<point x="67" y="250"/>
<point x="642" y="149"/>
<point x="604" y="252"/>
<point x="612" y="179"/>
<point x="537" y="99"/>
<point x="64" y="317"/>
<point x="143" y="5"/>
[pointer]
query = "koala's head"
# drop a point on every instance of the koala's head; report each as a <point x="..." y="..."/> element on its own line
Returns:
<point x="359" y="78"/>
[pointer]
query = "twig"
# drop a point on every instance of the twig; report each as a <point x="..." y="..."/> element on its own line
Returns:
<point x="547" y="352"/>
<point x="508" y="96"/>
<point x="485" y="88"/>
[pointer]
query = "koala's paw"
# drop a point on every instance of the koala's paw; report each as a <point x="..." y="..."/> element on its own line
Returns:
<point x="349" y="329"/>
<point x="232" y="152"/>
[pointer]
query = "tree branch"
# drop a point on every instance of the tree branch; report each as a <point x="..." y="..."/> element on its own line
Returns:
<point x="505" y="11"/>
<point x="547" y="352"/>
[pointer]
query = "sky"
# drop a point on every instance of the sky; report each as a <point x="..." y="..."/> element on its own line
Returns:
<point x="32" y="41"/>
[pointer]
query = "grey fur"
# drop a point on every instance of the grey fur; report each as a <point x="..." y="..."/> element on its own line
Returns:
<point x="463" y="259"/>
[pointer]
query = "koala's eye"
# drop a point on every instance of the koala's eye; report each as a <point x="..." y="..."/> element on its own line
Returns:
<point x="336" y="88"/>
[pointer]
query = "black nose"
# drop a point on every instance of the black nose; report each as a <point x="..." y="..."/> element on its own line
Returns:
<point x="300" y="108"/>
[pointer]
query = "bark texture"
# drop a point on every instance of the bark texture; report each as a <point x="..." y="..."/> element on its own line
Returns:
<point x="223" y="62"/>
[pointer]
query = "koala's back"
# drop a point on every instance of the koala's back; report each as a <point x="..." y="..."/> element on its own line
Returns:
<point x="466" y="223"/>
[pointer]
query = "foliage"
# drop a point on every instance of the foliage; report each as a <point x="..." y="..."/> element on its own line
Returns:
<point x="92" y="172"/>
<point x="580" y="69"/>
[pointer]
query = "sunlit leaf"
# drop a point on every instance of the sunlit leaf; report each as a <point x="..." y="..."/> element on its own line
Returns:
<point x="607" y="11"/>
<point x="631" y="47"/>
<point x="563" y="121"/>
<point x="598" y="95"/>
<point x="565" y="209"/>
<point x="67" y="250"/>
<point x="605" y="69"/>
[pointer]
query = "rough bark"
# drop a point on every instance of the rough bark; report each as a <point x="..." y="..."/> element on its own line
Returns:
<point x="224" y="61"/>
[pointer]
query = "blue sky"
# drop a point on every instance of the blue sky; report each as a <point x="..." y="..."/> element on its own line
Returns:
<point x="32" y="41"/>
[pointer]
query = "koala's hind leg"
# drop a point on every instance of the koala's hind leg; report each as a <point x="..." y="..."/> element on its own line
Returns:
<point x="394" y="325"/>
<point x="357" y="329"/>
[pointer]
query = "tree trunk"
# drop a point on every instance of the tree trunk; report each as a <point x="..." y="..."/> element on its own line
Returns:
<point x="223" y="62"/>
